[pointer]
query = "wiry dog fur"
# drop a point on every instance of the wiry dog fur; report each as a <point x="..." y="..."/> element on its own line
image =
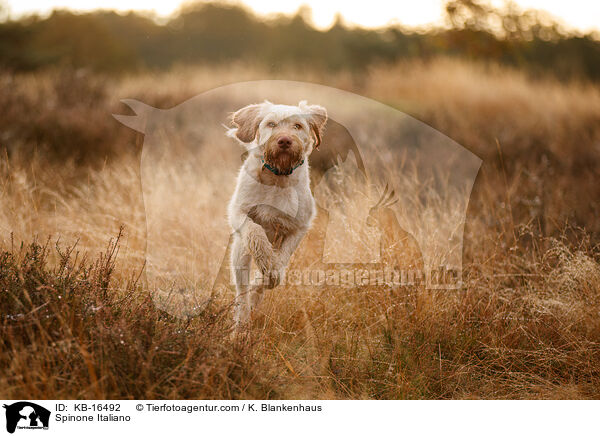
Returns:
<point x="272" y="207"/>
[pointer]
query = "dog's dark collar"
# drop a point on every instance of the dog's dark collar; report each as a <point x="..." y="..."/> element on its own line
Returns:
<point x="276" y="171"/>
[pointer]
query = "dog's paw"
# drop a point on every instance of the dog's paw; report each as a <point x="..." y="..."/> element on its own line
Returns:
<point x="276" y="274"/>
<point x="272" y="271"/>
<point x="258" y="245"/>
<point x="265" y="261"/>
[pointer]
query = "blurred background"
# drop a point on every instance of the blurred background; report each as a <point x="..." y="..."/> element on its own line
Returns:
<point x="331" y="36"/>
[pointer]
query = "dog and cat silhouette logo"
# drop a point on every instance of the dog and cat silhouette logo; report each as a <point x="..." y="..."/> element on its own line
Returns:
<point x="26" y="415"/>
<point x="391" y="193"/>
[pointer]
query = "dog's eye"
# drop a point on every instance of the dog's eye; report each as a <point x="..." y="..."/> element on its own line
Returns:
<point x="271" y="124"/>
<point x="298" y="126"/>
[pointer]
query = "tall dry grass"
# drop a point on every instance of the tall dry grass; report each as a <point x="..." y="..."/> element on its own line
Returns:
<point x="78" y="321"/>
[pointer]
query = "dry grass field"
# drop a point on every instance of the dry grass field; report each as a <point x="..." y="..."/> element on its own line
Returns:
<point x="78" y="320"/>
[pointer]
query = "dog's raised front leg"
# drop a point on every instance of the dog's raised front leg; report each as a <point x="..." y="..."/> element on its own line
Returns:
<point x="254" y="239"/>
<point x="258" y="245"/>
<point x="288" y="246"/>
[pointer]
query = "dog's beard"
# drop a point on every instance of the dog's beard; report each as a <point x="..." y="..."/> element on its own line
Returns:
<point x="283" y="160"/>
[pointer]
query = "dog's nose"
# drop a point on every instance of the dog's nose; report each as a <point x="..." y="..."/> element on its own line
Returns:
<point x="284" y="142"/>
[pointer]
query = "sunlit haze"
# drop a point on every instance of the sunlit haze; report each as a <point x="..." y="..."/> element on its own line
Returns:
<point x="575" y="14"/>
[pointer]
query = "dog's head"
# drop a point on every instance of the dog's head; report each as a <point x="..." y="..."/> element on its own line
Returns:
<point x="283" y="135"/>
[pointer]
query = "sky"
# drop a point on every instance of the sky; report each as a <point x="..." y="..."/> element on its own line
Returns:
<point x="582" y="15"/>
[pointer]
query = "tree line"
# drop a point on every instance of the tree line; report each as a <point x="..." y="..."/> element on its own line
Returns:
<point x="215" y="33"/>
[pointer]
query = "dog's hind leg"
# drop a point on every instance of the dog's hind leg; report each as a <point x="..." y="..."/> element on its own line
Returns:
<point x="240" y="271"/>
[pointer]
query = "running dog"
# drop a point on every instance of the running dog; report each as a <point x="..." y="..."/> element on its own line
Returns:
<point x="272" y="207"/>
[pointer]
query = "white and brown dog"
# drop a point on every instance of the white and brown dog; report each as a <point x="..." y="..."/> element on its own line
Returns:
<point x="272" y="207"/>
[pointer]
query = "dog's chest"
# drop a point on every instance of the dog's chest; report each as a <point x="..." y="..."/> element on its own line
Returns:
<point x="285" y="200"/>
<point x="277" y="224"/>
<point x="277" y="210"/>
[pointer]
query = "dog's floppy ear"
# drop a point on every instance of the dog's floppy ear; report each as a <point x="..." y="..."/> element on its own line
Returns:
<point x="317" y="118"/>
<point x="246" y="121"/>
